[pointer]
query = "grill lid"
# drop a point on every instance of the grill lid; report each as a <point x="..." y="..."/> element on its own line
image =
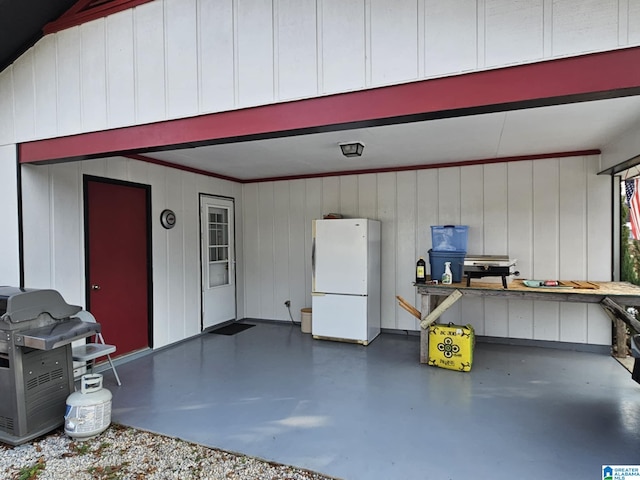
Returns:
<point x="486" y="262"/>
<point x="22" y="304"/>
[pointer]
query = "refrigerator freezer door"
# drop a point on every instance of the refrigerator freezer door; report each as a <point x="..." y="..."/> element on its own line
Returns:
<point x="339" y="317"/>
<point x="340" y="264"/>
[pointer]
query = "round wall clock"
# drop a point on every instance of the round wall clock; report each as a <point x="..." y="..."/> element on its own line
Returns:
<point x="168" y="219"/>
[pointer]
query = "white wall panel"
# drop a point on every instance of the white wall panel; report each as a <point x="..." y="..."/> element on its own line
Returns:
<point x="281" y="250"/>
<point x="93" y="78"/>
<point x="189" y="208"/>
<point x="236" y="194"/>
<point x="45" y="87"/>
<point x="394" y="41"/>
<point x="472" y="206"/>
<point x="297" y="72"/>
<point x="54" y="255"/>
<point x="253" y="282"/>
<point x="266" y="248"/>
<point x="511" y="208"/>
<point x="69" y="88"/>
<point x="513" y="31"/>
<point x="633" y="23"/>
<point x="66" y="214"/>
<point x="299" y="256"/>
<point x="149" y="54"/>
<point x="255" y="52"/>
<point x="120" y="69"/>
<point x="448" y="196"/>
<point x="546" y="209"/>
<point x="367" y="195"/>
<point x="451" y="36"/>
<point x="37" y="212"/>
<point x="388" y="216"/>
<point x="175" y="259"/>
<point x="520" y="246"/>
<point x="349" y="196"/>
<point x="573" y="243"/>
<point x="580" y="26"/>
<point x="313" y="209"/>
<point x="9" y="260"/>
<point x="495" y="204"/>
<point x="406" y="246"/>
<point x="330" y="195"/>
<point x="216" y="55"/>
<point x="342" y="42"/>
<point x="181" y="57"/>
<point x="24" y="100"/>
<point x="160" y="252"/>
<point x="7" y="133"/>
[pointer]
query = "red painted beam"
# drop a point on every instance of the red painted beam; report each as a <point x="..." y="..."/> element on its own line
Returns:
<point x="599" y="75"/>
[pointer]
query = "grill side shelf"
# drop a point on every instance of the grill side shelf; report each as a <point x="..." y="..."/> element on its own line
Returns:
<point x="56" y="335"/>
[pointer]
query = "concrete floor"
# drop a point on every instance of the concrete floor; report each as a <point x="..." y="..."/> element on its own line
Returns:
<point x="374" y="412"/>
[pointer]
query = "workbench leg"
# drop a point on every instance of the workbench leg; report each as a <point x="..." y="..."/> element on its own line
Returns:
<point x="425" y="307"/>
<point x="428" y="304"/>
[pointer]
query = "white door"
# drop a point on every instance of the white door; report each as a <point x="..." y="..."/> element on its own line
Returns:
<point x="218" y="261"/>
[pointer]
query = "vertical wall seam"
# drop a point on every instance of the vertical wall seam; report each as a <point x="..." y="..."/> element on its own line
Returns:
<point x="198" y="35"/>
<point x="421" y="37"/>
<point x="51" y="227"/>
<point x="319" y="47"/>
<point x="481" y="34"/>
<point x="165" y="60"/>
<point x="80" y="82"/>
<point x="136" y="103"/>
<point x="236" y="54"/>
<point x="275" y="48"/>
<point x="623" y="22"/>
<point x="368" y="75"/>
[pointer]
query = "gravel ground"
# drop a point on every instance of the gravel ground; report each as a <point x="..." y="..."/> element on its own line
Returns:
<point x="127" y="453"/>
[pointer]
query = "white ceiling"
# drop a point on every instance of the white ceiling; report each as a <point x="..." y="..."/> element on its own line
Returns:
<point x="535" y="131"/>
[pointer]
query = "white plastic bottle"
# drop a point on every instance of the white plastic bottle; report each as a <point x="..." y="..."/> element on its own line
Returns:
<point x="447" y="277"/>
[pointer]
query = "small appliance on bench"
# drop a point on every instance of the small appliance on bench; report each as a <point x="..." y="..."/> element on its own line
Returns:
<point x="478" y="266"/>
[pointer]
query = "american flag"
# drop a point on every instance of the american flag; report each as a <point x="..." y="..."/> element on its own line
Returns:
<point x="633" y="201"/>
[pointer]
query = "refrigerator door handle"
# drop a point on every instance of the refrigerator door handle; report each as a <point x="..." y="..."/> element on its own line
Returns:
<point x="313" y="258"/>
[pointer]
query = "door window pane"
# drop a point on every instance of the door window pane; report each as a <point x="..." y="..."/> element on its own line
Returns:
<point x="218" y="230"/>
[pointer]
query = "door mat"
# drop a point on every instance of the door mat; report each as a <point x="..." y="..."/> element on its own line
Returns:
<point x="232" y="328"/>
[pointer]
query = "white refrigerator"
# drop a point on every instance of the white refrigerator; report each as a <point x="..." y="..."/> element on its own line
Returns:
<point x="345" y="297"/>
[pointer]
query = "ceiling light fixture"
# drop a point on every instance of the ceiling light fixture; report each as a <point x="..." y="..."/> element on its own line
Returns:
<point x="352" y="149"/>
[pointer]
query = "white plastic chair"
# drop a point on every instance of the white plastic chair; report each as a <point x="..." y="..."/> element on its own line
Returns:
<point x="89" y="352"/>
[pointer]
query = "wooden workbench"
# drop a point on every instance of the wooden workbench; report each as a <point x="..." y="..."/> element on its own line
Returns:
<point x="435" y="299"/>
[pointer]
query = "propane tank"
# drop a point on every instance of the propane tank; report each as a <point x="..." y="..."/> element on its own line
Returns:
<point x="88" y="411"/>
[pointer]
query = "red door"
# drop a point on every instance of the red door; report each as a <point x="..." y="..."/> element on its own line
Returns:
<point x="116" y="218"/>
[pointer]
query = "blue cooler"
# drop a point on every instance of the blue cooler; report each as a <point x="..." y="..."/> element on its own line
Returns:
<point x="437" y="260"/>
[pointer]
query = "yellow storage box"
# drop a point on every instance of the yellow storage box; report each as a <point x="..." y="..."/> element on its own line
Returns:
<point x="451" y="346"/>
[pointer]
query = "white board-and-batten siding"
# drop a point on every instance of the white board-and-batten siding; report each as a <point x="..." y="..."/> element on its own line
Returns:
<point x="178" y="58"/>
<point x="53" y="223"/>
<point x="552" y="215"/>
<point x="170" y="59"/>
